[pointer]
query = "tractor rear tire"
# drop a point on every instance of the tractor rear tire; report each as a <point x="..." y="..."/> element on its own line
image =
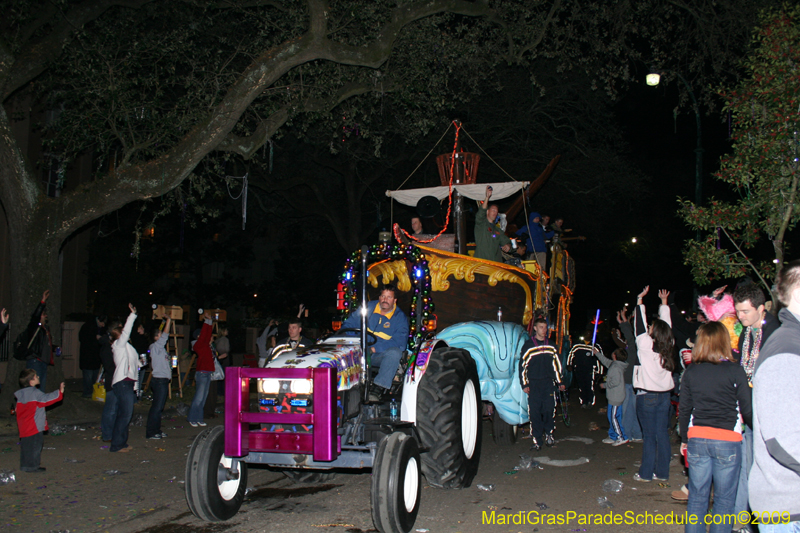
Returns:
<point x="209" y="494"/>
<point x="449" y="418"/>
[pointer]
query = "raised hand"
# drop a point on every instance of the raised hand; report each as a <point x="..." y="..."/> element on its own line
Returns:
<point x="643" y="293"/>
<point x="664" y="295"/>
<point x="719" y="291"/>
<point x="45" y="295"/>
<point x="132" y="308"/>
<point x="4" y="316"/>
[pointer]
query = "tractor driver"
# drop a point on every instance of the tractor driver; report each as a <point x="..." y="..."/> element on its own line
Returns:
<point x="390" y="326"/>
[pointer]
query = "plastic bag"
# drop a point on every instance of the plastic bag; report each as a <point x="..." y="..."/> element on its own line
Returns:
<point x="487" y="487"/>
<point x="603" y="502"/>
<point x="99" y="392"/>
<point x="219" y="373"/>
<point x="612" y="485"/>
<point x="526" y="463"/>
<point x="7" y="477"/>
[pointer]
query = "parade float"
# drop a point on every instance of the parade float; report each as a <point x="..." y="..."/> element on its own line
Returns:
<point x="313" y="412"/>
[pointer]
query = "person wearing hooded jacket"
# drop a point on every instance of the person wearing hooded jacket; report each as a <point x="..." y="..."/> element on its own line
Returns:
<point x="536" y="237"/>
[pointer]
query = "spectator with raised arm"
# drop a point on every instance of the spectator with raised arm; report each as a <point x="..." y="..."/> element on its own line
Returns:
<point x="38" y="342"/>
<point x="159" y="380"/>
<point x="653" y="381"/>
<point x="125" y="375"/>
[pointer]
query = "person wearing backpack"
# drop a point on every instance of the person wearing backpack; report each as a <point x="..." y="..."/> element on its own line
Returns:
<point x="34" y="345"/>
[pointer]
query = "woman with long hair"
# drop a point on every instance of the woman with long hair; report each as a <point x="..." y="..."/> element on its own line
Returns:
<point x="652" y="380"/>
<point x="714" y="392"/>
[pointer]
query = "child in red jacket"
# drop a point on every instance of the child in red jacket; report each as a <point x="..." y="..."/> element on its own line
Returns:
<point x="31" y="420"/>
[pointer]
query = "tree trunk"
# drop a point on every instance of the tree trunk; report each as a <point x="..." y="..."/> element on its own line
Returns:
<point x="35" y="267"/>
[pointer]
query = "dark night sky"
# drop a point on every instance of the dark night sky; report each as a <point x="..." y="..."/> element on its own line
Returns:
<point x="664" y="148"/>
<point x="607" y="264"/>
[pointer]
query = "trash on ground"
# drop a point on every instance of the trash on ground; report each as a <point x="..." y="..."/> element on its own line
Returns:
<point x="7" y="477"/>
<point x="67" y="460"/>
<point x="421" y="530"/>
<point x="526" y="463"/>
<point x="138" y="420"/>
<point x="488" y="487"/>
<point x="664" y="485"/>
<point x="542" y="506"/>
<point x="561" y="462"/>
<point x="585" y="440"/>
<point x="602" y="410"/>
<point x="612" y="485"/>
<point x="112" y="472"/>
<point x="182" y="409"/>
<point x="603" y="502"/>
<point x="593" y="426"/>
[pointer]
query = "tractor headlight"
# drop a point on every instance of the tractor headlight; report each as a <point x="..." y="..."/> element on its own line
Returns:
<point x="302" y="386"/>
<point x="269" y="386"/>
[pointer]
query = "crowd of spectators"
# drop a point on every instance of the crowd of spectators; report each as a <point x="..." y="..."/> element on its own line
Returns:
<point x="729" y="378"/>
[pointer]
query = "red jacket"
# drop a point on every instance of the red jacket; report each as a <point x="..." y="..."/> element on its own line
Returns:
<point x="205" y="357"/>
<point x="30" y="409"/>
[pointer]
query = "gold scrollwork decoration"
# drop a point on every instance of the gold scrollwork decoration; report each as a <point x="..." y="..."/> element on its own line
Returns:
<point x="443" y="265"/>
<point x="388" y="271"/>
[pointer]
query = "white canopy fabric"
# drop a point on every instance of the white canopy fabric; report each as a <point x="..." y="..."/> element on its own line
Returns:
<point x="475" y="191"/>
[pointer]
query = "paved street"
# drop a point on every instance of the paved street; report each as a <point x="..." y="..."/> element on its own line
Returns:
<point x="80" y="493"/>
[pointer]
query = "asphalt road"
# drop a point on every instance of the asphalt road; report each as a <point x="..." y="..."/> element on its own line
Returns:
<point x="87" y="489"/>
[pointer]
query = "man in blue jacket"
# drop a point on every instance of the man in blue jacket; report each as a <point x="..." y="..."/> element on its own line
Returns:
<point x="390" y="327"/>
<point x="536" y="238"/>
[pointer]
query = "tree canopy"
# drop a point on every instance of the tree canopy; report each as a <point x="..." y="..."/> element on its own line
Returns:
<point x="762" y="170"/>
